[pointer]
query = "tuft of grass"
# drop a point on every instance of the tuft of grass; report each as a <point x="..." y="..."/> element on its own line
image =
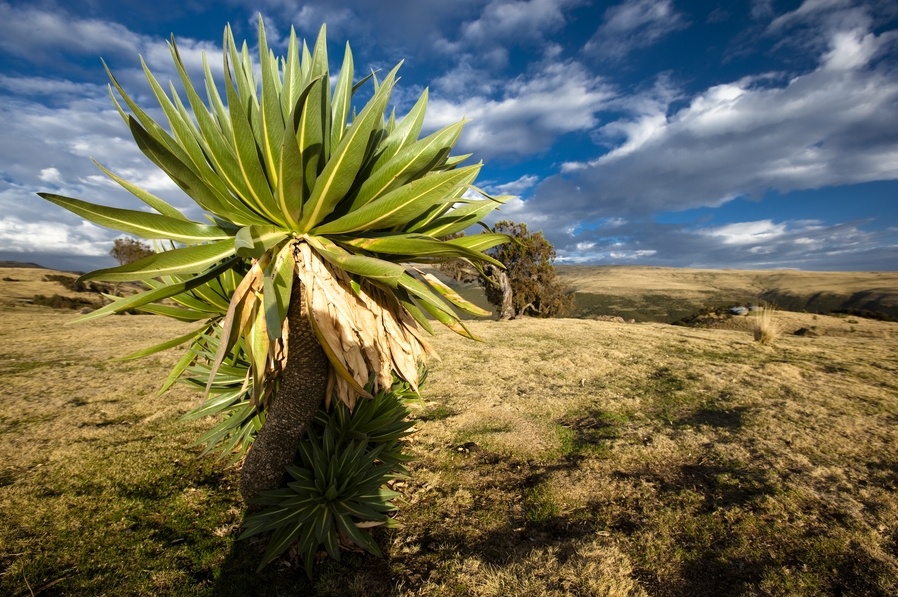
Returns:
<point x="435" y="412"/>
<point x="539" y="504"/>
<point x="589" y="432"/>
<point x="767" y="327"/>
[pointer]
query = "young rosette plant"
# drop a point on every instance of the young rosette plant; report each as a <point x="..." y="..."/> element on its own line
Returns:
<point x="336" y="489"/>
<point x="300" y="276"/>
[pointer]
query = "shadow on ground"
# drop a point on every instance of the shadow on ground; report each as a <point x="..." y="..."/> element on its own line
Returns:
<point x="504" y="523"/>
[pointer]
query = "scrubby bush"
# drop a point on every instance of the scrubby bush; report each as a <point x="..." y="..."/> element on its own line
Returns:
<point x="127" y="250"/>
<point x="62" y="302"/>
<point x="75" y="285"/>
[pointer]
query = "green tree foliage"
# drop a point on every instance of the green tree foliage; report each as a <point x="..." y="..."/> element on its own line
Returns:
<point x="127" y="250"/>
<point x="528" y="262"/>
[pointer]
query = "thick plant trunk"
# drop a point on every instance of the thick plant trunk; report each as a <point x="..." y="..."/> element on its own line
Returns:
<point x="302" y="388"/>
<point x="499" y="277"/>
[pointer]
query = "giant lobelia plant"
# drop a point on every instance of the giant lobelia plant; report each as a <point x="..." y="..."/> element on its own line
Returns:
<point x="299" y="279"/>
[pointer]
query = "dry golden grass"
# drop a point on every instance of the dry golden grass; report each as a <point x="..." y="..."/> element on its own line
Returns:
<point x="558" y="457"/>
<point x="692" y="283"/>
<point x="714" y="469"/>
<point x="19" y="285"/>
<point x="668" y="294"/>
<point x="767" y="326"/>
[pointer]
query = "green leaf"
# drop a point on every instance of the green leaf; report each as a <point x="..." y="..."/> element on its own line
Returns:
<point x="342" y="97"/>
<point x="455" y="160"/>
<point x="453" y="297"/>
<point x="456" y="219"/>
<point x="257" y="345"/>
<point x="344" y="523"/>
<point x="310" y="135"/>
<point x="292" y="185"/>
<point x="183" y="130"/>
<point x="278" y="284"/>
<point x="290" y="181"/>
<point x="242" y="74"/>
<point x="279" y="543"/>
<point x="272" y="115"/>
<point x="306" y="61"/>
<point x="148" y="198"/>
<point x="218" y="109"/>
<point x="164" y="345"/>
<point x="292" y="84"/>
<point x="449" y="321"/>
<point x="330" y="543"/>
<point x="140" y="223"/>
<point x="178" y="313"/>
<point x="372" y="268"/>
<point x="216" y="404"/>
<point x="205" y="188"/>
<point x="401" y="205"/>
<point x="157" y="294"/>
<point x="405" y="133"/>
<point x="252" y="241"/>
<point x="154" y="130"/>
<point x="415" y="247"/>
<point x="187" y="260"/>
<point x="208" y="298"/>
<point x="346" y="160"/>
<point x="418" y="157"/>
<point x="435" y="306"/>
<point x="243" y="142"/>
<point x="409" y="305"/>
<point x="187" y="180"/>
<point x="176" y="372"/>
<point x="214" y="140"/>
<point x="318" y="67"/>
<point x="323" y="525"/>
<point x="481" y="242"/>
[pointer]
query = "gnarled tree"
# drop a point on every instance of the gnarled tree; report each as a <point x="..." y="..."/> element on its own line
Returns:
<point x="527" y="272"/>
<point x="126" y="250"/>
<point x="526" y="283"/>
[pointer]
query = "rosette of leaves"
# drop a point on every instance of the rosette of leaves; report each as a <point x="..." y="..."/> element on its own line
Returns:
<point x="337" y="483"/>
<point x="317" y="208"/>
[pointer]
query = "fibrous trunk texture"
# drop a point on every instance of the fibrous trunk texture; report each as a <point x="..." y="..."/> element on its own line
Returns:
<point x="302" y="388"/>
<point x="499" y="277"/>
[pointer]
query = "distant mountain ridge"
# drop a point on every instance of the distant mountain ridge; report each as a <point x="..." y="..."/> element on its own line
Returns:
<point x="666" y="295"/>
<point x="21" y="264"/>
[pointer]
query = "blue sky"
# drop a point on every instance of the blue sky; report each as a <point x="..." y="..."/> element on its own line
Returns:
<point x="752" y="134"/>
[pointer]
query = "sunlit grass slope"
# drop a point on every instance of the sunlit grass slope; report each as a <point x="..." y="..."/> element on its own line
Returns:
<point x="558" y="457"/>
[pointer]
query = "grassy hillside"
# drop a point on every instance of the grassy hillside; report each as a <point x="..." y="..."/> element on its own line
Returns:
<point x="558" y="457"/>
<point x="668" y="294"/>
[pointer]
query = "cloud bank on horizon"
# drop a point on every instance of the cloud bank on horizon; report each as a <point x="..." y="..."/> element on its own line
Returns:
<point x="637" y="132"/>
